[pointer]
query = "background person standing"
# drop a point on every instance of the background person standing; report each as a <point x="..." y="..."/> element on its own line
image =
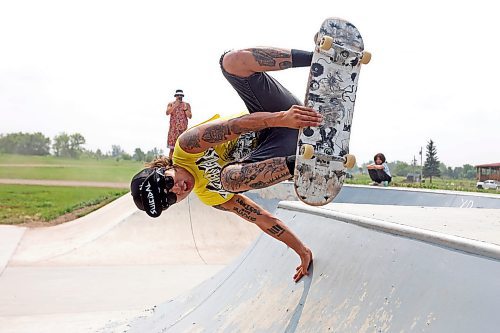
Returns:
<point x="179" y="113"/>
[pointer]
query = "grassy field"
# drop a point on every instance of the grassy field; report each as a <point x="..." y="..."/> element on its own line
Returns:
<point x="28" y="204"/>
<point x="53" y="168"/>
<point x="42" y="204"/>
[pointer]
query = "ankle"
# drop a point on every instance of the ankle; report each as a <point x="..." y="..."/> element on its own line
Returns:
<point x="301" y="58"/>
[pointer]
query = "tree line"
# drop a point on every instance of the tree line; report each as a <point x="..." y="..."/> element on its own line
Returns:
<point x="65" y="145"/>
<point x="71" y="145"/>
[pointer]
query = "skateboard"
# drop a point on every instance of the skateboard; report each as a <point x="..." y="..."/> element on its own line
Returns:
<point x="323" y="152"/>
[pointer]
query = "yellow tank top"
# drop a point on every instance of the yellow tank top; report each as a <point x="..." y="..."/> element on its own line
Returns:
<point x="206" y="166"/>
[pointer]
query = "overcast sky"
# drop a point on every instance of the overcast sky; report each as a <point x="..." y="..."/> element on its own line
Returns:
<point x="107" y="69"/>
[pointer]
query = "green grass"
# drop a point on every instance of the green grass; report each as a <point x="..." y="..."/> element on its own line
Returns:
<point x="54" y="168"/>
<point x="22" y="203"/>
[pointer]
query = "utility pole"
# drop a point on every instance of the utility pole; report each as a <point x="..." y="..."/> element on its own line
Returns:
<point x="414" y="165"/>
<point x="421" y="166"/>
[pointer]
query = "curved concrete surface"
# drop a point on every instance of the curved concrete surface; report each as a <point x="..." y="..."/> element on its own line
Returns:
<point x="369" y="275"/>
<point x="373" y="195"/>
<point x="111" y="264"/>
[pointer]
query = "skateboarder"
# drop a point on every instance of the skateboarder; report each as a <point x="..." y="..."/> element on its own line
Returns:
<point x="223" y="157"/>
<point x="179" y="113"/>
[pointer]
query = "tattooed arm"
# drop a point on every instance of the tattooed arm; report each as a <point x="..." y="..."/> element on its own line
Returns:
<point x="252" y="212"/>
<point x="200" y="138"/>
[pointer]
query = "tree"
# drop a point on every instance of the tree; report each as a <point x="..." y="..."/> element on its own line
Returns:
<point x="68" y="145"/>
<point x="25" y="144"/>
<point x="152" y="154"/>
<point x="98" y="154"/>
<point x="61" y="145"/>
<point x="76" y="141"/>
<point x="469" y="171"/>
<point x="400" y="168"/>
<point x="116" y="151"/>
<point x="431" y="165"/>
<point x="139" y="155"/>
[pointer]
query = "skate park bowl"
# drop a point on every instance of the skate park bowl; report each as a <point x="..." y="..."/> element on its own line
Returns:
<point x="368" y="275"/>
<point x="377" y="268"/>
<point x="385" y="260"/>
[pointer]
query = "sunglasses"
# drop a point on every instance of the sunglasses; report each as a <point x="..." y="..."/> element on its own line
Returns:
<point x="165" y="183"/>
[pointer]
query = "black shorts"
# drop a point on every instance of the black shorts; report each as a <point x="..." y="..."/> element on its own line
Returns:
<point x="378" y="175"/>
<point x="262" y="93"/>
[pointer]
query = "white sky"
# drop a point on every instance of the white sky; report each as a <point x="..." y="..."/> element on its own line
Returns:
<point x="107" y="69"/>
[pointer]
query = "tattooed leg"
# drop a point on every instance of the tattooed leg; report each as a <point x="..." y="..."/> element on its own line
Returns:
<point x="243" y="177"/>
<point x="259" y="59"/>
<point x="272" y="58"/>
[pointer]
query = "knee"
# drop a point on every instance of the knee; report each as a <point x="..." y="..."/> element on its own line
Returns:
<point x="234" y="62"/>
<point x="231" y="178"/>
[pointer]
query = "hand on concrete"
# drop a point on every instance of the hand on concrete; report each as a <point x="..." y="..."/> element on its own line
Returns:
<point x="302" y="269"/>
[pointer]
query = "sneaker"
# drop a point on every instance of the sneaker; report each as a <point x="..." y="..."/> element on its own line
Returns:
<point x="385" y="183"/>
<point x="374" y="184"/>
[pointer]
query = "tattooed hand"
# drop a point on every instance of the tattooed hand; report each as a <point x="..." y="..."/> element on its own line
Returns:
<point x="300" y="116"/>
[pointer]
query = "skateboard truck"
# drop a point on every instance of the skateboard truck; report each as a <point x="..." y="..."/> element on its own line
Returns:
<point x="307" y="152"/>
<point x="327" y="42"/>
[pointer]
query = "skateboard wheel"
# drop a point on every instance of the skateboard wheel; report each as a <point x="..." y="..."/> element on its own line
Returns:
<point x="307" y="151"/>
<point x="326" y="43"/>
<point x="367" y="56"/>
<point x="350" y="161"/>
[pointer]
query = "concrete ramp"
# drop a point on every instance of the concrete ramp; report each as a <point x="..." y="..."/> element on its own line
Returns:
<point x="394" y="196"/>
<point x="368" y="275"/>
<point x="111" y="264"/>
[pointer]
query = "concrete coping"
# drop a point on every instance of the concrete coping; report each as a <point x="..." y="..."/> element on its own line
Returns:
<point x="426" y="190"/>
<point x="441" y="239"/>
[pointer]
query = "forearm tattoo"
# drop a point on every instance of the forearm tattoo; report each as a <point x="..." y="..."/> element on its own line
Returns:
<point x="246" y="210"/>
<point x="219" y="207"/>
<point x="276" y="230"/>
<point x="236" y="127"/>
<point x="216" y="133"/>
<point x="255" y="175"/>
<point x="267" y="57"/>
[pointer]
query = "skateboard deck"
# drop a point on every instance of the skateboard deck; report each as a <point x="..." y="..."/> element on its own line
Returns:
<point x="322" y="152"/>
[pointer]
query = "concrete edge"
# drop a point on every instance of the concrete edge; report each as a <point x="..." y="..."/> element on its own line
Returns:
<point x="10" y="238"/>
<point x="454" y="242"/>
<point x="426" y="190"/>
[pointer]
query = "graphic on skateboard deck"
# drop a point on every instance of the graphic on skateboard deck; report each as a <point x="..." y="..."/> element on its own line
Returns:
<point x="323" y="152"/>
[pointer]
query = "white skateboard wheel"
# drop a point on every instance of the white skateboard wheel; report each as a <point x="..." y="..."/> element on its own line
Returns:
<point x="307" y="151"/>
<point x="326" y="43"/>
<point x="367" y="56"/>
<point x="350" y="161"/>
